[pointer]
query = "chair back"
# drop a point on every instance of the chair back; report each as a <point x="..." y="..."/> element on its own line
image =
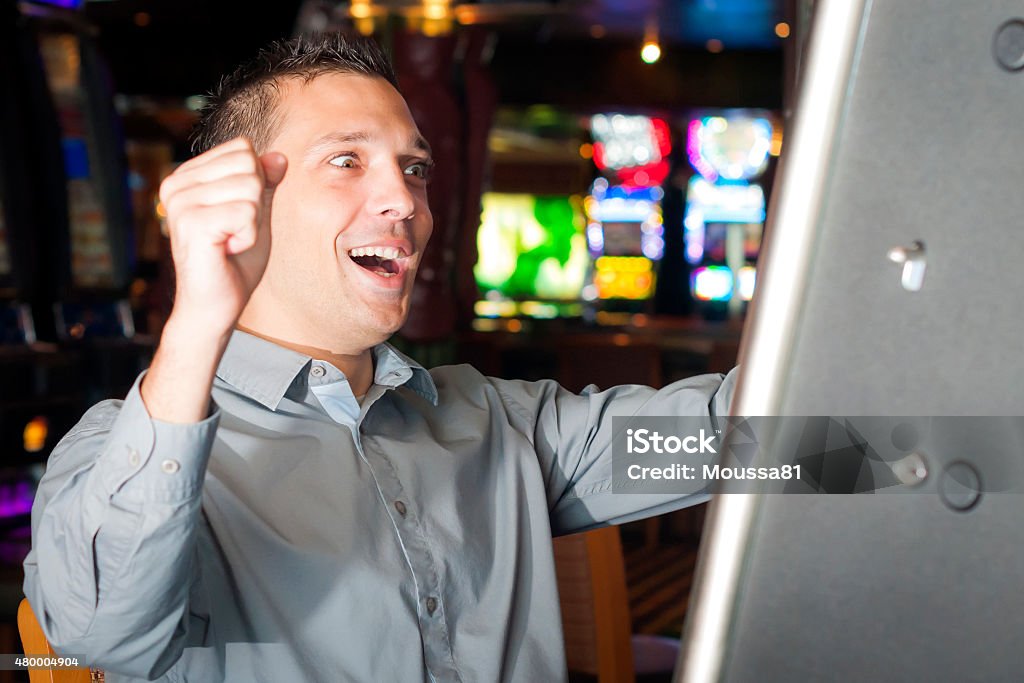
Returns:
<point x="595" y="605"/>
<point x="34" y="642"/>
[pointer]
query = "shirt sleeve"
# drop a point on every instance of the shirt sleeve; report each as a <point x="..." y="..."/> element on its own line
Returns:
<point x="572" y="436"/>
<point x="113" y="536"/>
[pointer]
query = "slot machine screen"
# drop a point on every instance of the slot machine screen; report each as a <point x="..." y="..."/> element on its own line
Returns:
<point x="622" y="239"/>
<point x="716" y="238"/>
<point x="532" y="249"/>
<point x="92" y="263"/>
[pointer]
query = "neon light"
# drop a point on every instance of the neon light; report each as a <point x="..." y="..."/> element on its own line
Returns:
<point x="638" y="143"/>
<point x="652" y="246"/>
<point x="599" y="158"/>
<point x="67" y="4"/>
<point x="663" y="135"/>
<point x="623" y="277"/>
<point x="35" y="433"/>
<point x="693" y="135"/>
<point x="538" y="309"/>
<point x="726" y="203"/>
<point x="16" y="499"/>
<point x="712" y="283"/>
<point x="650" y="52"/>
<point x="495" y="309"/>
<point x="693" y="233"/>
<point x="648" y="194"/>
<point x="595" y="238"/>
<point x="735" y="148"/>
<point x="747" y="278"/>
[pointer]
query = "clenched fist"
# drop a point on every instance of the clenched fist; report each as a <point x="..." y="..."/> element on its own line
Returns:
<point x="218" y="214"/>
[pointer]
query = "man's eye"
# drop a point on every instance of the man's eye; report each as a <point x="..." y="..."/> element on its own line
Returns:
<point x="344" y="161"/>
<point x="418" y="170"/>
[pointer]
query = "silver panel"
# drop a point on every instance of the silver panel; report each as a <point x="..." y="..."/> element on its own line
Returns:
<point x="922" y="147"/>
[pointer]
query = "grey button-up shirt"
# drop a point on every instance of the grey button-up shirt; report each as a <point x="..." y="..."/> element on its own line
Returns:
<point x="272" y="543"/>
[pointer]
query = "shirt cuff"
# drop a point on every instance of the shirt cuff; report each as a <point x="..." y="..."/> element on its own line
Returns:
<point x="153" y="460"/>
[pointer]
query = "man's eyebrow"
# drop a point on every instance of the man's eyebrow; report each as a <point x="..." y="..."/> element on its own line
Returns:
<point x="352" y="137"/>
<point x="338" y="138"/>
<point x="420" y="143"/>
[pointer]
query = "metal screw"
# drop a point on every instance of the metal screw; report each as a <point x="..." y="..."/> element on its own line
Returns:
<point x="913" y="260"/>
<point x="911" y="469"/>
<point x="960" y="487"/>
<point x="1008" y="46"/>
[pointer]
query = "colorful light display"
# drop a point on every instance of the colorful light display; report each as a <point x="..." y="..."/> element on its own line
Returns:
<point x="635" y="148"/>
<point x="708" y="203"/>
<point x="735" y="148"/>
<point x="725" y="211"/>
<point x="532" y="249"/>
<point x="625" y="236"/>
<point x="712" y="283"/>
<point x="623" y="277"/>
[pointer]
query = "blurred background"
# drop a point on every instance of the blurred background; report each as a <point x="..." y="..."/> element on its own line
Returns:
<point x="603" y="171"/>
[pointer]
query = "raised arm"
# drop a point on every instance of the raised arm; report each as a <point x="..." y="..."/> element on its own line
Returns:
<point x="114" y="521"/>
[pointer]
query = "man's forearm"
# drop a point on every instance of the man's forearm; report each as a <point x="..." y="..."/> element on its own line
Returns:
<point x="113" y="536"/>
<point x="177" y="387"/>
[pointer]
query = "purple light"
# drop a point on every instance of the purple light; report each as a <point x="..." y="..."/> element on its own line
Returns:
<point x="16" y="500"/>
<point x="652" y="246"/>
<point x="693" y="133"/>
<point x="595" y="238"/>
<point x="66" y="4"/>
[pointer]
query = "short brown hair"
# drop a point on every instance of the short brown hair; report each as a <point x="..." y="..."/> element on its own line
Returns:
<point x="244" y="103"/>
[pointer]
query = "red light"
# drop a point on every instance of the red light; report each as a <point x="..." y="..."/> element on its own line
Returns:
<point x="663" y="136"/>
<point x="599" y="155"/>
<point x="644" y="176"/>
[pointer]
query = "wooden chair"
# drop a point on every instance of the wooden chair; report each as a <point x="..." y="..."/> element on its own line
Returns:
<point x="595" y="612"/>
<point x="34" y="642"/>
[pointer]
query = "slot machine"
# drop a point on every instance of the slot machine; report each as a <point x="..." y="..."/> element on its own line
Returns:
<point x="94" y="252"/>
<point x="897" y="213"/>
<point x="40" y="386"/>
<point x="725" y="208"/>
<point x="625" y="231"/>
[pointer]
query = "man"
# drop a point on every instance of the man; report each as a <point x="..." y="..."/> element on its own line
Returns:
<point x="336" y="512"/>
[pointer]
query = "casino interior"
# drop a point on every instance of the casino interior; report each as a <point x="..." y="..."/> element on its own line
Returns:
<point x="599" y="200"/>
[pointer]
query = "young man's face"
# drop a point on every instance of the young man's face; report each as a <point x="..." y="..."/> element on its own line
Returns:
<point x="350" y="219"/>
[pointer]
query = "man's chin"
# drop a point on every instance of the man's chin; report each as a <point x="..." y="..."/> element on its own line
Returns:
<point x="382" y="325"/>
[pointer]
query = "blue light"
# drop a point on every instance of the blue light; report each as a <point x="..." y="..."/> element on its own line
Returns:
<point x="66" y="4"/>
<point x="746" y="24"/>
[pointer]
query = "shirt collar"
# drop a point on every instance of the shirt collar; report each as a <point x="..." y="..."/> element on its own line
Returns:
<point x="265" y="371"/>
<point x="394" y="368"/>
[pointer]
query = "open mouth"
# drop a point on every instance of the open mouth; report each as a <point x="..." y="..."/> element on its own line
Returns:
<point x="386" y="262"/>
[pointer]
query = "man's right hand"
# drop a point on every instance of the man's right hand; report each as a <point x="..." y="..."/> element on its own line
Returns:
<point x="218" y="214"/>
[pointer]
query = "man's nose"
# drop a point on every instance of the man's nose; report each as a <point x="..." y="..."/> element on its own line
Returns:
<point x="390" y="195"/>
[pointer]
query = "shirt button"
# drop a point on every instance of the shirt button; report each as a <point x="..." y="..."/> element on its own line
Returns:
<point x="133" y="457"/>
<point x="170" y="466"/>
<point x="317" y="371"/>
<point x="431" y="605"/>
<point x="400" y="506"/>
